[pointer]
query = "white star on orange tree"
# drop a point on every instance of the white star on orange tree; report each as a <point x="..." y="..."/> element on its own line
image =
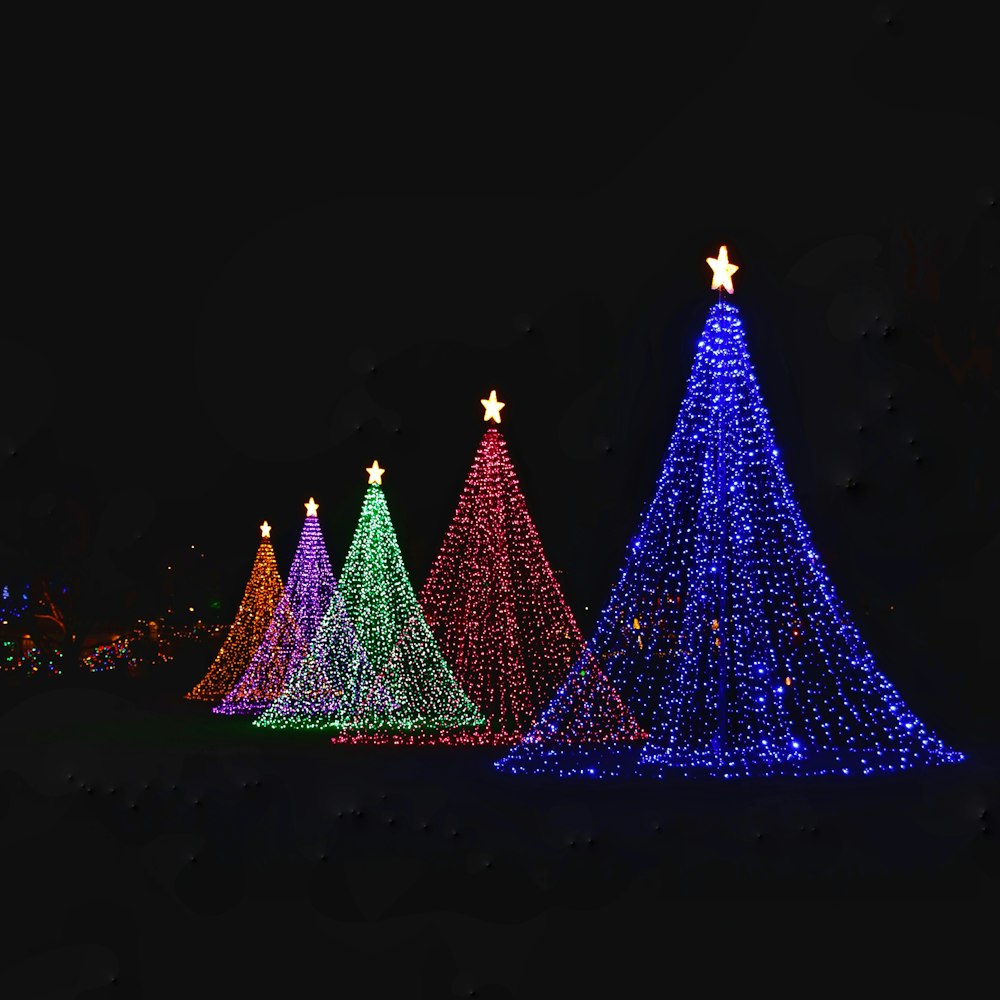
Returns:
<point x="265" y="530"/>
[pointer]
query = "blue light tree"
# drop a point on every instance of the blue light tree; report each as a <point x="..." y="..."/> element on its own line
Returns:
<point x="724" y="635"/>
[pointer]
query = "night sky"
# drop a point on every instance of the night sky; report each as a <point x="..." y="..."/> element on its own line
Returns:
<point x="250" y="276"/>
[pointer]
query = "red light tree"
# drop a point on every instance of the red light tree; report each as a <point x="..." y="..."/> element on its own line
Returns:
<point x="497" y="611"/>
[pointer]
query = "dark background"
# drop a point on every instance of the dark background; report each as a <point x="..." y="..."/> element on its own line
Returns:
<point x="251" y="258"/>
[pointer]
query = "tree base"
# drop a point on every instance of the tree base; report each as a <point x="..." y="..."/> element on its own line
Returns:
<point x="611" y="761"/>
<point x="242" y="708"/>
<point x="657" y="762"/>
<point x="431" y="737"/>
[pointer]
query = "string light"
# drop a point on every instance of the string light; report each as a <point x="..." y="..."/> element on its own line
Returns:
<point x="784" y="684"/>
<point x="305" y="598"/>
<point x="261" y="597"/>
<point x="39" y="662"/>
<point x="499" y="615"/>
<point x="403" y="684"/>
<point x="117" y="654"/>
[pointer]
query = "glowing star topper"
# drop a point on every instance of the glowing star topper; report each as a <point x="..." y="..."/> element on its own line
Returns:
<point x="722" y="270"/>
<point x="311" y="508"/>
<point x="493" y="407"/>
<point x="265" y="530"/>
<point x="374" y="474"/>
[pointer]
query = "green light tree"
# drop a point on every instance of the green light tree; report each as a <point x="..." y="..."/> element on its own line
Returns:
<point x="403" y="684"/>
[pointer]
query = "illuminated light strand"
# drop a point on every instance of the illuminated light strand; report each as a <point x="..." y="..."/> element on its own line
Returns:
<point x="261" y="597"/>
<point x="37" y="661"/>
<point x="305" y="598"/>
<point x="109" y="656"/>
<point x="116" y="654"/>
<point x="12" y="606"/>
<point x="783" y="683"/>
<point x="404" y="683"/>
<point x="500" y="618"/>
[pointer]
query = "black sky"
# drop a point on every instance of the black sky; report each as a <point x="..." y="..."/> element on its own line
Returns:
<point x="247" y="272"/>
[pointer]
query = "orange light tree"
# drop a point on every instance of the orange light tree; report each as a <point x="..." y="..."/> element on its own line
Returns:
<point x="261" y="597"/>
